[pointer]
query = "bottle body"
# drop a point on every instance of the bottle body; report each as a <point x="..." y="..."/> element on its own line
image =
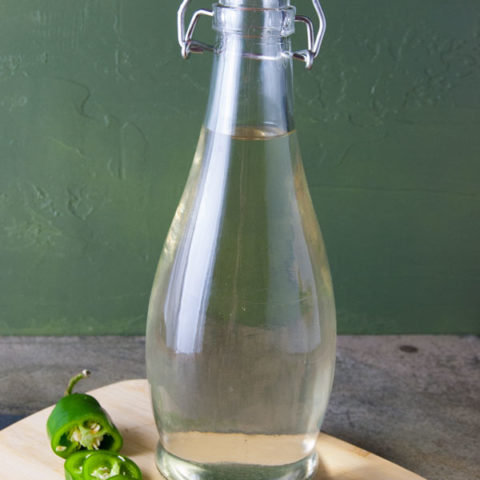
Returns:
<point x="241" y="332"/>
<point x="241" y="322"/>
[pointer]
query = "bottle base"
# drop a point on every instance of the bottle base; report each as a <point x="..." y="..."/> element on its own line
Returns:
<point x="175" y="468"/>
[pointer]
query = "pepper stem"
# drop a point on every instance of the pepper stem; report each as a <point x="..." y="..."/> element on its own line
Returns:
<point x="74" y="380"/>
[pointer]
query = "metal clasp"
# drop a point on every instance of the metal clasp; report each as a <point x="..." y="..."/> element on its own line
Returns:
<point x="188" y="45"/>
<point x="185" y="40"/>
<point x="313" y="43"/>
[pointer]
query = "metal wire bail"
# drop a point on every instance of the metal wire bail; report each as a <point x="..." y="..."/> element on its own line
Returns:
<point x="313" y="43"/>
<point x="189" y="45"/>
<point x="185" y="38"/>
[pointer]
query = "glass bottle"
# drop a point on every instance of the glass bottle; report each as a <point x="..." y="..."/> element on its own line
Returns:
<point x="240" y="342"/>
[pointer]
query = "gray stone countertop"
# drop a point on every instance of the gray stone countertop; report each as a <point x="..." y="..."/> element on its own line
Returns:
<point x="414" y="400"/>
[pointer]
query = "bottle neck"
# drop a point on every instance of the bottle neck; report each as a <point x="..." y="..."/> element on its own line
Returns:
<point x="252" y="76"/>
<point x="256" y="3"/>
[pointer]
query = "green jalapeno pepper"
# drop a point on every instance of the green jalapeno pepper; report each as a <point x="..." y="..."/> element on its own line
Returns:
<point x="78" y="422"/>
<point x="74" y="465"/>
<point x="100" y="465"/>
<point x="103" y="465"/>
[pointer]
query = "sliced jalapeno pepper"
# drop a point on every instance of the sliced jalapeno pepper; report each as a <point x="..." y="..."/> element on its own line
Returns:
<point x="105" y="465"/>
<point x="78" y="422"/>
<point x="102" y="465"/>
<point x="74" y="465"/>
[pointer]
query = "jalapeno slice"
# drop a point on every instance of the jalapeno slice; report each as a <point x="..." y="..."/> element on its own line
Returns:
<point x="104" y="465"/>
<point x="74" y="465"/>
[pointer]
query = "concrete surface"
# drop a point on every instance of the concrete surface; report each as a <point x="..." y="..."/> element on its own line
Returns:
<point x="414" y="400"/>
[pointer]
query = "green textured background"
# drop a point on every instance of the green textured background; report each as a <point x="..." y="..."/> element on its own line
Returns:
<point x="99" y="118"/>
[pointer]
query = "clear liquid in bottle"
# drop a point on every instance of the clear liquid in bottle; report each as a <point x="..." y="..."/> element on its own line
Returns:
<point x="241" y="323"/>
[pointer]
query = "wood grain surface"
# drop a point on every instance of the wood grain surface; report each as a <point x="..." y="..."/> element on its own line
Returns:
<point x="25" y="451"/>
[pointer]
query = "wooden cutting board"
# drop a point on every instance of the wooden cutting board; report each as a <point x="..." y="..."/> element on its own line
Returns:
<point x="25" y="451"/>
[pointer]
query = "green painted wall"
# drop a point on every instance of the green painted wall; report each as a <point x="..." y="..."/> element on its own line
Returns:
<point x="99" y="118"/>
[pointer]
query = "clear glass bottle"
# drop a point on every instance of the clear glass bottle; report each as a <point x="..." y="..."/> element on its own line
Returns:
<point x="241" y="322"/>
